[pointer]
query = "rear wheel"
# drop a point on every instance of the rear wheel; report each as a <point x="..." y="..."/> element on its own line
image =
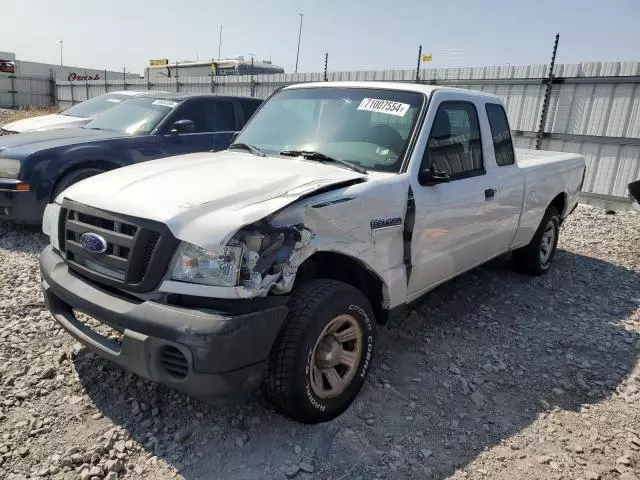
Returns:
<point x="535" y="258"/>
<point x="74" y="177"/>
<point x="323" y="352"/>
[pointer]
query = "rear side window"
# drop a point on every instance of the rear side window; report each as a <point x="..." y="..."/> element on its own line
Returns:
<point x="502" y="144"/>
<point x="249" y="108"/>
<point x="454" y="145"/>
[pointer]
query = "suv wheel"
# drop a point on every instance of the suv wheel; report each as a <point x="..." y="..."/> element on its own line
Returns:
<point x="323" y="353"/>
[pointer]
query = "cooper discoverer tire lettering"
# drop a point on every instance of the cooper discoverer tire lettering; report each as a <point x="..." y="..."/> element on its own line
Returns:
<point x="323" y="353"/>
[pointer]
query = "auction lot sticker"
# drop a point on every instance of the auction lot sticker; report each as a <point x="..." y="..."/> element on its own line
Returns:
<point x="165" y="103"/>
<point x="384" y="106"/>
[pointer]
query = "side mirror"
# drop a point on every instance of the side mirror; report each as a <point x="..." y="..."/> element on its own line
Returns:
<point x="431" y="177"/>
<point x="183" y="126"/>
<point x="234" y="136"/>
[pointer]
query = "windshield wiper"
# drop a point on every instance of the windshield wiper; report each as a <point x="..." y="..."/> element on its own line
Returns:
<point x="246" y="146"/>
<point x="321" y="157"/>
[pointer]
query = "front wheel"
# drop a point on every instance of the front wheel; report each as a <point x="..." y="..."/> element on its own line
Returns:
<point x="535" y="258"/>
<point x="323" y="352"/>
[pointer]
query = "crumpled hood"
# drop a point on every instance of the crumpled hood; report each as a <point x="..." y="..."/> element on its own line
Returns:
<point x="45" y="122"/>
<point x="204" y="198"/>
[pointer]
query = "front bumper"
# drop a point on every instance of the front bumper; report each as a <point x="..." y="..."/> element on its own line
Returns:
<point x="19" y="206"/>
<point x="220" y="354"/>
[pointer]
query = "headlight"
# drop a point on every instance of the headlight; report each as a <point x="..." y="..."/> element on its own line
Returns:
<point x="210" y="267"/>
<point x="50" y="223"/>
<point x="9" y="167"/>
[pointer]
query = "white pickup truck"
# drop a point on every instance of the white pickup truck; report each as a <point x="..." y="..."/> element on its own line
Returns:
<point x="272" y="262"/>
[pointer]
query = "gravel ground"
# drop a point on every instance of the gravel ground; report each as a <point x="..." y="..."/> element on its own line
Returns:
<point x="8" y="115"/>
<point x="495" y="375"/>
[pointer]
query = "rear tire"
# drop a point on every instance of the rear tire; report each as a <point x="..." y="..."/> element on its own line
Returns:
<point x="73" y="177"/>
<point x="535" y="258"/>
<point x="323" y="352"/>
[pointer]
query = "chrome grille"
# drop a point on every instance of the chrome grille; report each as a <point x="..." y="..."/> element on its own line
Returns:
<point x="6" y="132"/>
<point x="137" y="251"/>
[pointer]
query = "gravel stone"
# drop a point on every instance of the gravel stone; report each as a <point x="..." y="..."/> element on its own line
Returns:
<point x="306" y="467"/>
<point x="120" y="446"/>
<point x="114" y="465"/>
<point x="292" y="471"/>
<point x="510" y="339"/>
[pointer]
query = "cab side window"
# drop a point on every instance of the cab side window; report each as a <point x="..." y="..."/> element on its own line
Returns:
<point x="454" y="146"/>
<point x="502" y="143"/>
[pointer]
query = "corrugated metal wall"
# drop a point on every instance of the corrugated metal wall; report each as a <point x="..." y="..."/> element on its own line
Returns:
<point x="594" y="107"/>
<point x="18" y="90"/>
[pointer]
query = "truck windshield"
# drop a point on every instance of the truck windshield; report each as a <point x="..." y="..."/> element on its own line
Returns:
<point x="369" y="127"/>
<point x="135" y="116"/>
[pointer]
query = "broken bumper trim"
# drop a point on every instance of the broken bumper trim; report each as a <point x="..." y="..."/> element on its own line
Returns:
<point x="221" y="354"/>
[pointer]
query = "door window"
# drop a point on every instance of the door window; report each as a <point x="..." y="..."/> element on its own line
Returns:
<point x="502" y="144"/>
<point x="209" y="115"/>
<point x="454" y="144"/>
<point x="195" y="111"/>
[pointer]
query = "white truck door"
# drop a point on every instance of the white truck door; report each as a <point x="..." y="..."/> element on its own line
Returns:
<point x="510" y="180"/>
<point x="455" y="222"/>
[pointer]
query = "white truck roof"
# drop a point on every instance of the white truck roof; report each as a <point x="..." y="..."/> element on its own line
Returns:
<point x="404" y="86"/>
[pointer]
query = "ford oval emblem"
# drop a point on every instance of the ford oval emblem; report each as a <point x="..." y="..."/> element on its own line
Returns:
<point x="93" y="243"/>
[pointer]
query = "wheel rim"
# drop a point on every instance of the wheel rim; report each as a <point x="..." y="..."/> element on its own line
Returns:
<point x="336" y="356"/>
<point x="547" y="242"/>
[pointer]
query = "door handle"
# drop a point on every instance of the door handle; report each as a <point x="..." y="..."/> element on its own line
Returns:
<point x="489" y="193"/>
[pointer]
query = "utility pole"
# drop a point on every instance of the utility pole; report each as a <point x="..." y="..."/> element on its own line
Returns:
<point x="299" y="36"/>
<point x="60" y="52"/>
<point x="253" y="85"/>
<point x="547" y="96"/>
<point x="220" y="42"/>
<point x="418" y="67"/>
<point x="326" y="64"/>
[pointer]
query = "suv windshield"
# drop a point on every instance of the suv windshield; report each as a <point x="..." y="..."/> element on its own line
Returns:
<point x="369" y="127"/>
<point x="134" y="116"/>
<point x="92" y="107"/>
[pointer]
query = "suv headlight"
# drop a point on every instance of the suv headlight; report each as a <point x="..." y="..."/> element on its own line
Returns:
<point x="9" y="167"/>
<point x="220" y="268"/>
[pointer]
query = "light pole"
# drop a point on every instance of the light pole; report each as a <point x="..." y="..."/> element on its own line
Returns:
<point x="220" y="42"/>
<point x="60" y="52"/>
<point x="299" y="36"/>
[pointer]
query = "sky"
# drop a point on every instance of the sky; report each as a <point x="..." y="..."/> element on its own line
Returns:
<point x="357" y="34"/>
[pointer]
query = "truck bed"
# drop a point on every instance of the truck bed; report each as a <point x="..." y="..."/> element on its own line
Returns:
<point x="546" y="173"/>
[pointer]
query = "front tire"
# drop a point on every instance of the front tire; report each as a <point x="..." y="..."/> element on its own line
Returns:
<point x="535" y="259"/>
<point x="323" y="353"/>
